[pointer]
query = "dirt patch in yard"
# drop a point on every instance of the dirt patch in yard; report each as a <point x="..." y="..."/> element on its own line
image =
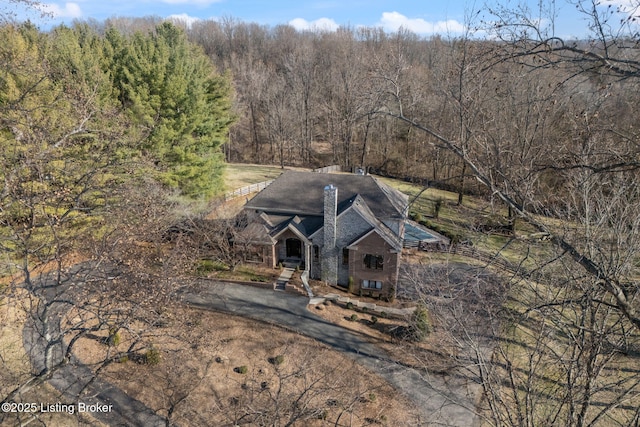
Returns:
<point x="217" y="369"/>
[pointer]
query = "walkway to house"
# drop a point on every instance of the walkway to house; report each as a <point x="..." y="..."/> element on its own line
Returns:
<point x="285" y="276"/>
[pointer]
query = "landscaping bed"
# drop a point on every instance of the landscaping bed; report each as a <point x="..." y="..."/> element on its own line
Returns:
<point x="389" y="332"/>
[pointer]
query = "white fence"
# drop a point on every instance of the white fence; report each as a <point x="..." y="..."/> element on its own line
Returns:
<point x="328" y="169"/>
<point x="253" y="188"/>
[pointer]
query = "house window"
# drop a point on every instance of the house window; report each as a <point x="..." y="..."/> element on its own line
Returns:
<point x="371" y="284"/>
<point x="316" y="252"/>
<point x="374" y="262"/>
<point x="345" y="256"/>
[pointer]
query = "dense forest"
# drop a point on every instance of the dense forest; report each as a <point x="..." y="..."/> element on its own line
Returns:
<point x="312" y="98"/>
<point x="108" y="130"/>
<point x="151" y="98"/>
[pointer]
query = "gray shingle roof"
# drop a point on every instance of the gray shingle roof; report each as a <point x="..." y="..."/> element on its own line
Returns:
<point x="358" y="204"/>
<point x="303" y="193"/>
<point x="256" y="233"/>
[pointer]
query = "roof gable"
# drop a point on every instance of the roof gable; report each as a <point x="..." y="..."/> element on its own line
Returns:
<point x="358" y="205"/>
<point x="294" y="227"/>
<point x="256" y="233"/>
<point x="378" y="226"/>
<point x="393" y="244"/>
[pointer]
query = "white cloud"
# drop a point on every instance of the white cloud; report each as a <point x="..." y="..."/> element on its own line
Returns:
<point x="393" y="21"/>
<point x="322" y="24"/>
<point x="69" y="10"/>
<point x="183" y="18"/>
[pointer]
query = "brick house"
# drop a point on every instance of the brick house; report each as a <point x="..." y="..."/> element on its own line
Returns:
<point x="343" y="229"/>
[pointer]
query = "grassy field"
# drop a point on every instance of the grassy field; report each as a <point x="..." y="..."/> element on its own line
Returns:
<point x="238" y="175"/>
<point x="537" y="346"/>
<point x="466" y="219"/>
<point x="550" y="351"/>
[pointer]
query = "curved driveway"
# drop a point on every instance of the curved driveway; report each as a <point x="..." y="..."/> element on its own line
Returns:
<point x="445" y="403"/>
<point x="74" y="380"/>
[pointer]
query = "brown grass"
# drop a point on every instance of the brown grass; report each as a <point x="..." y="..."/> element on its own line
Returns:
<point x="200" y="362"/>
<point x="15" y="369"/>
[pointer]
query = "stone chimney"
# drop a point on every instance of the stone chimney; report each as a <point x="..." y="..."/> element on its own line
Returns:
<point x="329" y="254"/>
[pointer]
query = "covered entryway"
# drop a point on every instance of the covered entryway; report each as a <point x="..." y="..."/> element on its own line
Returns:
<point x="294" y="248"/>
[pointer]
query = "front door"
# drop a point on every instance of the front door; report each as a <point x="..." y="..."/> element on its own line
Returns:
<point x="294" y="248"/>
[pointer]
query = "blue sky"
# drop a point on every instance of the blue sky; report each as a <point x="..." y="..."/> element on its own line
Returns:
<point x="426" y="17"/>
